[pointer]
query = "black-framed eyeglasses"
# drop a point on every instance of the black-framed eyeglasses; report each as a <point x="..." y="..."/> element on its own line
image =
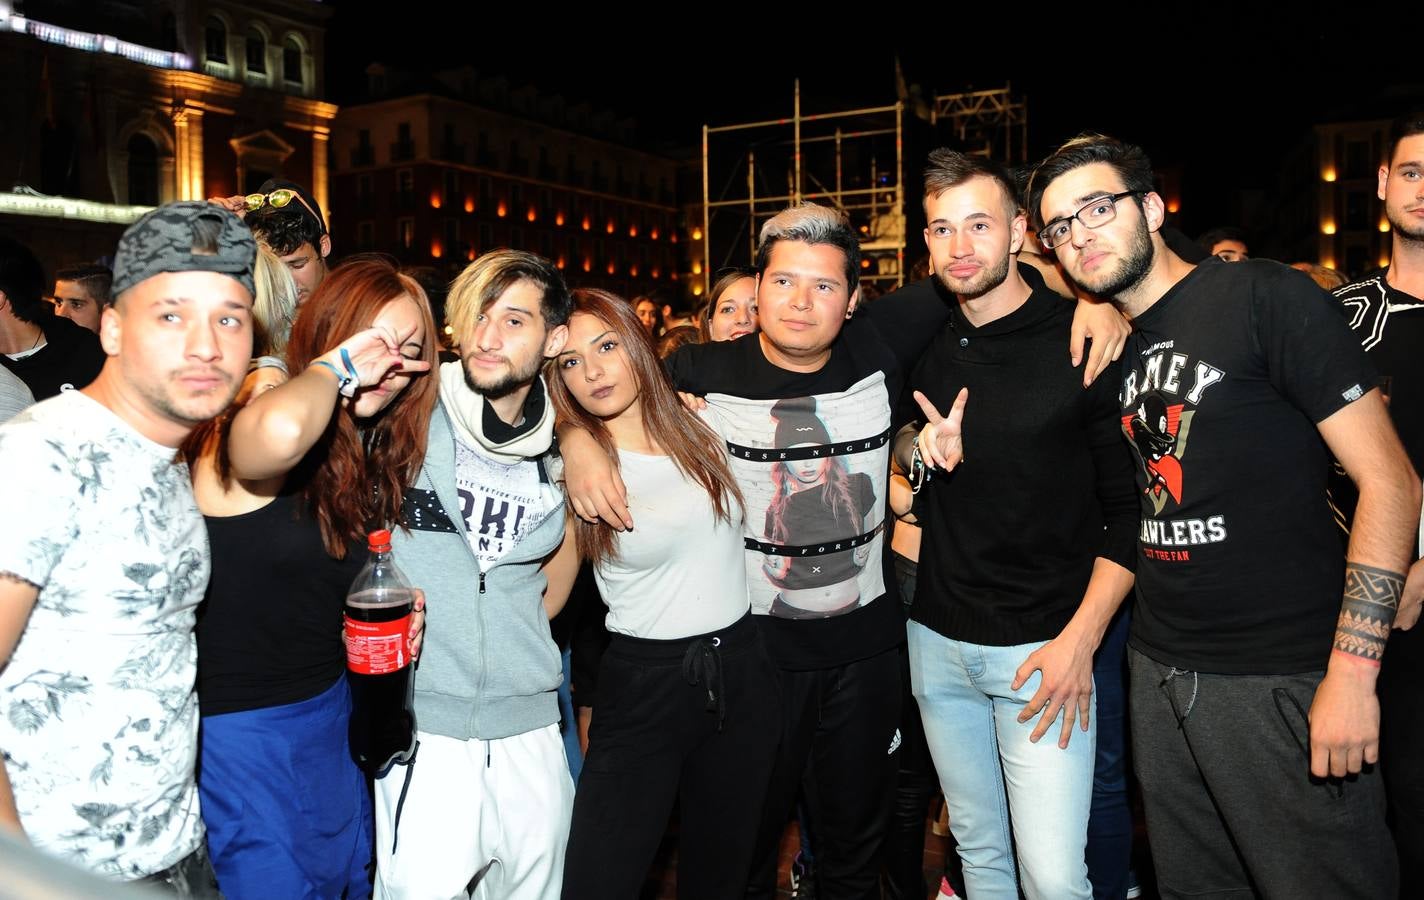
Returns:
<point x="277" y="200"/>
<point x="1093" y="214"/>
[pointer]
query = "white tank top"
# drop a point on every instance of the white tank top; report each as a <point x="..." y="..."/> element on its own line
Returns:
<point x="680" y="571"/>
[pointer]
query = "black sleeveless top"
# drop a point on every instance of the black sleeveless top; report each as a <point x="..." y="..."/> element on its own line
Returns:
<point x="269" y="628"/>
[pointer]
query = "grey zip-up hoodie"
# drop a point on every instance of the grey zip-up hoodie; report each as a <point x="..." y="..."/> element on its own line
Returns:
<point x="489" y="668"/>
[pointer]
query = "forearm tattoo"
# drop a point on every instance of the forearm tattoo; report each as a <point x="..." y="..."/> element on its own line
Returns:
<point x="1371" y="600"/>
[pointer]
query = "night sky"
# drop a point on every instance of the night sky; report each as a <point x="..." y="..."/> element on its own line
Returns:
<point x="1223" y="94"/>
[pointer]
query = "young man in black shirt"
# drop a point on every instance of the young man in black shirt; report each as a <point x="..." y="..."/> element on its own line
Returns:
<point x="1386" y="311"/>
<point x="1245" y="722"/>
<point x="47" y="352"/>
<point x="1027" y="550"/>
<point x="815" y="385"/>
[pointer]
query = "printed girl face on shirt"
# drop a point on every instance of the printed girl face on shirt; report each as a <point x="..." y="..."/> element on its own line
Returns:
<point x="808" y="472"/>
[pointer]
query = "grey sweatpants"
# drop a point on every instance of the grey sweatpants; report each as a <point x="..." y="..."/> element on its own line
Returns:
<point x="1232" y="811"/>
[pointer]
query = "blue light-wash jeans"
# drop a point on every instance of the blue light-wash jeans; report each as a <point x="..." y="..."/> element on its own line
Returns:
<point x="989" y="769"/>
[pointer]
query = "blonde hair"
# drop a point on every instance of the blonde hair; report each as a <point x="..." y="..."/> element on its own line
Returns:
<point x="486" y="279"/>
<point x="275" y="306"/>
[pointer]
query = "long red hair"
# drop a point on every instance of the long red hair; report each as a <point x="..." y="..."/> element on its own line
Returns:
<point x="684" y="437"/>
<point x="355" y="480"/>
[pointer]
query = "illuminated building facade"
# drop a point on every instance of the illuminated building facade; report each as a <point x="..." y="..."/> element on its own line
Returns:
<point x="119" y="106"/>
<point x="1330" y="212"/>
<point x="1353" y="233"/>
<point x="439" y="170"/>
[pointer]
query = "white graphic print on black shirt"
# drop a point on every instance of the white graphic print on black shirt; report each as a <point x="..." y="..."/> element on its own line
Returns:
<point x="98" y="718"/>
<point x="808" y="469"/>
<point x="499" y="503"/>
<point x="1224" y="381"/>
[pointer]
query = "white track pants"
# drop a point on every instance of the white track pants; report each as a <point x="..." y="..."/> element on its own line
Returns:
<point x="482" y="819"/>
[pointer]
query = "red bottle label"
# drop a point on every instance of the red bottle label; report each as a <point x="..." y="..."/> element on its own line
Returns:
<point x="376" y="648"/>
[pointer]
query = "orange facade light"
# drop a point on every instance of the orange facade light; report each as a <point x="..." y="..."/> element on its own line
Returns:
<point x="469" y="204"/>
<point x="501" y="210"/>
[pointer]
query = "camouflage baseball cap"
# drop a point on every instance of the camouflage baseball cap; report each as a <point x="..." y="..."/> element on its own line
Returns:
<point x="191" y="236"/>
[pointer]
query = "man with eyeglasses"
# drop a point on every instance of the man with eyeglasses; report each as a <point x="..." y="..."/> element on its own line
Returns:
<point x="285" y="218"/>
<point x="1255" y="741"/>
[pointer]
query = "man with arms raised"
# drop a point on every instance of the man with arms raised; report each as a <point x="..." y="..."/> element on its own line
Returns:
<point x="1255" y="741"/>
<point x="100" y="580"/>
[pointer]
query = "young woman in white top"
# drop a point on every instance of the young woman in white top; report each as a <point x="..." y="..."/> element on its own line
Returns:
<point x="686" y="701"/>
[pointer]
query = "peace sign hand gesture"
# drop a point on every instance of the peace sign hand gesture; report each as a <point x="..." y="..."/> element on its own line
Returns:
<point x="941" y="441"/>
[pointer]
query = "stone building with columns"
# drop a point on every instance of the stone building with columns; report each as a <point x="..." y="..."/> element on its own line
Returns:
<point x="112" y="108"/>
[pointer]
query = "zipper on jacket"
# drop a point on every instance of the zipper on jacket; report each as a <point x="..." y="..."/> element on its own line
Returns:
<point x="482" y="582"/>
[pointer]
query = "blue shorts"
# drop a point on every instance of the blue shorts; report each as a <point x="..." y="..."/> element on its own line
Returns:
<point x="288" y="812"/>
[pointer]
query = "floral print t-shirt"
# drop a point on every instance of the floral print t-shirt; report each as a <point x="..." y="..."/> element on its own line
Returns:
<point x="98" y="719"/>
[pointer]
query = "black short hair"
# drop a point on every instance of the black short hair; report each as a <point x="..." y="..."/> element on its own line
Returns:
<point x="1407" y="125"/>
<point x="285" y="229"/>
<point x="1213" y="237"/>
<point x="950" y="168"/>
<point x="1129" y="160"/>
<point x="96" y="280"/>
<point x="22" y="278"/>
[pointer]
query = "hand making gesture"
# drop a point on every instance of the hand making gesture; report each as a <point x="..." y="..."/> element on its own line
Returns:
<point x="941" y="441"/>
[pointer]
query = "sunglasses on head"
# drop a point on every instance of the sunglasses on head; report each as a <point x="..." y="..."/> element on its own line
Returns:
<point x="277" y="200"/>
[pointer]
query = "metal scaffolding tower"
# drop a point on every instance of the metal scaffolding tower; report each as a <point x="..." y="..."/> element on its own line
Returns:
<point x="851" y="160"/>
<point x="988" y="123"/>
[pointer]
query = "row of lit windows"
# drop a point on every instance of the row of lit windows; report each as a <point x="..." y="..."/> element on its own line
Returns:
<point x="511" y="200"/>
<point x="579" y="254"/>
<point x="569" y="170"/>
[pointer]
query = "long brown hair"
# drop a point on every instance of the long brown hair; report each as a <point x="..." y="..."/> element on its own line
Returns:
<point x="352" y="481"/>
<point x="682" y="436"/>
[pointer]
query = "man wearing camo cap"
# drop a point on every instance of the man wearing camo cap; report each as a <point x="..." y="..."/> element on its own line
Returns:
<point x="106" y="558"/>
